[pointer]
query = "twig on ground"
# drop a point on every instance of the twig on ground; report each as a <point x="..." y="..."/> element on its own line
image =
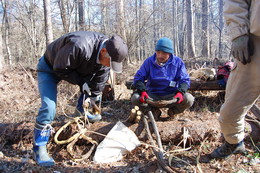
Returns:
<point x="254" y="144"/>
<point x="255" y="121"/>
<point x="198" y="158"/>
<point x="158" y="154"/>
<point x="30" y="76"/>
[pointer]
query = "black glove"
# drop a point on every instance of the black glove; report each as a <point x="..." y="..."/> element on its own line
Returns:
<point x="242" y="48"/>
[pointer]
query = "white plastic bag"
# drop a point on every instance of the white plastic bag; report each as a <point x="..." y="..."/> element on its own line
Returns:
<point x="119" y="141"/>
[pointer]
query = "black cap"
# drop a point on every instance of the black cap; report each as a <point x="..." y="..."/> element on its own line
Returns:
<point x="117" y="50"/>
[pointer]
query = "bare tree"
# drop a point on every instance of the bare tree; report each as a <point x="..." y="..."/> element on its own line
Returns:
<point x="174" y="31"/>
<point x="63" y="16"/>
<point x="48" y="23"/>
<point x="221" y="26"/>
<point x="189" y="23"/>
<point x="155" y="23"/>
<point x="121" y="19"/>
<point x="76" y="16"/>
<point x="205" y="19"/>
<point x="6" y="30"/>
<point x="181" y="29"/>
<point x="104" y="16"/>
<point x="81" y="14"/>
<point x="1" y="53"/>
<point x="138" y="5"/>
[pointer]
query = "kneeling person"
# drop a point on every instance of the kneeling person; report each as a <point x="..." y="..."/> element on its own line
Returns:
<point x="166" y="78"/>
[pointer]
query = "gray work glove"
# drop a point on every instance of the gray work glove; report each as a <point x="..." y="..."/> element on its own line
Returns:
<point x="95" y="103"/>
<point x="86" y="89"/>
<point x="241" y="49"/>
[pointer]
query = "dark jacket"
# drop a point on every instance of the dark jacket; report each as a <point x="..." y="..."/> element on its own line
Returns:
<point x="163" y="80"/>
<point x="73" y="58"/>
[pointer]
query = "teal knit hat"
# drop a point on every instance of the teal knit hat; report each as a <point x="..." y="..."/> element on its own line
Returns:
<point x="164" y="44"/>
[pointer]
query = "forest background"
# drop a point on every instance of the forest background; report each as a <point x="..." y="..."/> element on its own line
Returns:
<point x="196" y="27"/>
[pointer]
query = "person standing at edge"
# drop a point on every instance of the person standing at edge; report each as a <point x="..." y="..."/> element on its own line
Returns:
<point x="167" y="79"/>
<point x="83" y="58"/>
<point x="243" y="86"/>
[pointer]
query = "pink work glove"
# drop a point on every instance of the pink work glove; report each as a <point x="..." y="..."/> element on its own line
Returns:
<point x="179" y="97"/>
<point x="143" y="97"/>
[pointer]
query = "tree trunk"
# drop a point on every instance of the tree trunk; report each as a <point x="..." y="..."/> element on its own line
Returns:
<point x="137" y="51"/>
<point x="221" y="26"/>
<point x="181" y="29"/>
<point x="76" y="14"/>
<point x="81" y="15"/>
<point x="63" y="16"/>
<point x="104" y="16"/>
<point x="5" y="31"/>
<point x="34" y="33"/>
<point x="48" y="23"/>
<point x="121" y="19"/>
<point x="155" y="24"/>
<point x="190" y="40"/>
<point x="174" y="26"/>
<point x="163" y="18"/>
<point x="205" y="42"/>
<point x="1" y="52"/>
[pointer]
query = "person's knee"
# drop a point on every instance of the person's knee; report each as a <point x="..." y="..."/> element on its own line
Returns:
<point x="230" y="115"/>
<point x="189" y="99"/>
<point x="52" y="109"/>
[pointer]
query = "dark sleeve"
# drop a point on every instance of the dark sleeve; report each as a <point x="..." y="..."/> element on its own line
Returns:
<point x="140" y="86"/>
<point x="183" y="87"/>
<point x="97" y="83"/>
<point x="183" y="78"/>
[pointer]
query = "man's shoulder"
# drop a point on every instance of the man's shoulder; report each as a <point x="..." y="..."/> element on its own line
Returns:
<point x="176" y="60"/>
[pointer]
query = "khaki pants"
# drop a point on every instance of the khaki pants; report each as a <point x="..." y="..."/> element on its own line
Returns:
<point x="243" y="89"/>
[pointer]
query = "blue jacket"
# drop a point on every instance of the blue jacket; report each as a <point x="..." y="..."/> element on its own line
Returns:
<point x="163" y="80"/>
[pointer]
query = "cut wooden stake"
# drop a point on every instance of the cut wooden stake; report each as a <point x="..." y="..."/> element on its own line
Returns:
<point x="138" y="113"/>
<point x="138" y="116"/>
<point x="137" y="119"/>
<point x="132" y="115"/>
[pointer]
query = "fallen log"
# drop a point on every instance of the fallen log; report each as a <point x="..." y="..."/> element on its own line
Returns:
<point x="205" y="85"/>
<point x="194" y="85"/>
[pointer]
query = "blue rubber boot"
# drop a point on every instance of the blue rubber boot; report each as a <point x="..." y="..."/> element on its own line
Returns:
<point x="41" y="137"/>
<point x="93" y="117"/>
